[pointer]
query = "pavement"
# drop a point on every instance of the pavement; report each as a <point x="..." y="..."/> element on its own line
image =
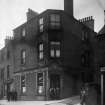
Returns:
<point x="67" y="101"/>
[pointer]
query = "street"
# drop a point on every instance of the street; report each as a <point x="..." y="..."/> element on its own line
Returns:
<point x="67" y="101"/>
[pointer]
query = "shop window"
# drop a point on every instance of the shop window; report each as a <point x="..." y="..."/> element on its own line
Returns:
<point x="41" y="24"/>
<point x="41" y="51"/>
<point x="23" y="57"/>
<point x="55" y="21"/>
<point x="40" y="82"/>
<point x="23" y="84"/>
<point x="55" y="49"/>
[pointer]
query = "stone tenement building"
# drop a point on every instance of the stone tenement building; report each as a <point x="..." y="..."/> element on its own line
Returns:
<point x="51" y="56"/>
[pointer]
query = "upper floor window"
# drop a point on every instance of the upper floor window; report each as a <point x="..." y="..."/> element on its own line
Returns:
<point x="2" y="74"/>
<point x="23" y="32"/>
<point x="55" y="21"/>
<point x="40" y="82"/>
<point x="41" y="24"/>
<point x="23" y="84"/>
<point x="85" y="59"/>
<point x="8" y="54"/>
<point x="84" y="35"/>
<point x="55" y="49"/>
<point x="8" y="71"/>
<point x="23" y="57"/>
<point x="41" y="51"/>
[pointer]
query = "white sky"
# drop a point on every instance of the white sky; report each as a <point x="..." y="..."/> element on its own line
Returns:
<point x="13" y="12"/>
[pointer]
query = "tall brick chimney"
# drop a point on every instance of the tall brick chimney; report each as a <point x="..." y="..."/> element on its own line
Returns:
<point x="68" y="7"/>
<point x="31" y="14"/>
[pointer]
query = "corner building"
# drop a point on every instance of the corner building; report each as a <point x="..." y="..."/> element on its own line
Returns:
<point x="52" y="55"/>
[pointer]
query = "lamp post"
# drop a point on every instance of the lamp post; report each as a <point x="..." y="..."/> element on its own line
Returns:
<point x="102" y="85"/>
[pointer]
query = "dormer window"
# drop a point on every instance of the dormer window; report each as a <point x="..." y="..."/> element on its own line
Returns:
<point x="41" y="24"/>
<point x="55" y="21"/>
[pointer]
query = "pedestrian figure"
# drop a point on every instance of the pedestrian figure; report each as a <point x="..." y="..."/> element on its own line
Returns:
<point x="8" y="96"/>
<point x="15" y="96"/>
<point x="11" y="96"/>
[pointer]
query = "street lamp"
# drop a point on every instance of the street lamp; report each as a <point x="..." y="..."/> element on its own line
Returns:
<point x="102" y="85"/>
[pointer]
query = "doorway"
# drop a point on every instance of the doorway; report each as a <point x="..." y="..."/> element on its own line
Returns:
<point x="54" y="86"/>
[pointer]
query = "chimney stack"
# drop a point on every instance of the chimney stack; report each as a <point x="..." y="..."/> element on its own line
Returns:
<point x="68" y="7"/>
<point x="31" y="14"/>
<point x="88" y="21"/>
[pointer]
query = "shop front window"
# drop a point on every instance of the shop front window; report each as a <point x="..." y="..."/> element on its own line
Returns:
<point x="23" y="84"/>
<point x="40" y="82"/>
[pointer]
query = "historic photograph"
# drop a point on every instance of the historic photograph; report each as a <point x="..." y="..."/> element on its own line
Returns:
<point x="52" y="52"/>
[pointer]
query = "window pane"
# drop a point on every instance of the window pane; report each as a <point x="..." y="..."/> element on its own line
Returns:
<point x="57" y="18"/>
<point x="52" y="52"/>
<point x="55" y="43"/>
<point x="41" y="21"/>
<point x="41" y="28"/>
<point x="41" y="55"/>
<point x="53" y="23"/>
<point x="24" y="54"/>
<point x="40" y="79"/>
<point x="52" y="17"/>
<point x="40" y="89"/>
<point x="8" y="54"/>
<point x="8" y="71"/>
<point x="41" y="47"/>
<point x="23" y="87"/>
<point x="57" y="53"/>
<point x="57" y="24"/>
<point x="23" y="57"/>
<point x="23" y="32"/>
<point x="40" y="82"/>
<point x="55" y="49"/>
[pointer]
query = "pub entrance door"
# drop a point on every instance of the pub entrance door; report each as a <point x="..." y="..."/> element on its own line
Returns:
<point x="54" y="86"/>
